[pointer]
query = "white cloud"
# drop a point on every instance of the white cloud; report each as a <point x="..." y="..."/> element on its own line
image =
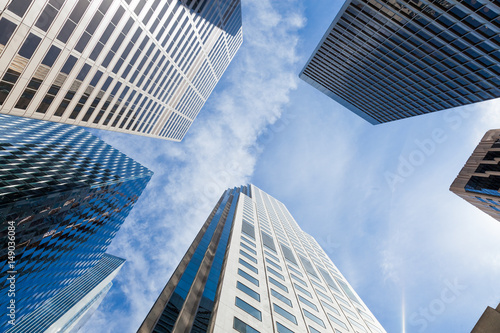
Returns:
<point x="190" y="176"/>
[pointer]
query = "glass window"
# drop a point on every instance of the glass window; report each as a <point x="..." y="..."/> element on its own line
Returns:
<point x="272" y="271"/>
<point x="250" y="267"/>
<point x="294" y="270"/>
<point x="248" y="308"/>
<point x="272" y="256"/>
<point x="307" y="302"/>
<point x="46" y="18"/>
<point x="248" y="241"/>
<point x="246" y="247"/>
<point x="324" y="295"/>
<point x="29" y="46"/>
<point x="314" y="318"/>
<point x="299" y="288"/>
<point x="299" y="280"/>
<point x="6" y="30"/>
<point x="337" y="321"/>
<point x="278" y="284"/>
<point x="19" y="7"/>
<point x="285" y="314"/>
<point x="248" y="229"/>
<point x="66" y="31"/>
<point x="313" y="330"/>
<point x="247" y="290"/>
<point x="331" y="308"/>
<point x="243" y="253"/>
<point x="248" y="277"/>
<point x="68" y="66"/>
<point x="282" y="329"/>
<point x="281" y="297"/>
<point x="270" y="262"/>
<point x="241" y="327"/>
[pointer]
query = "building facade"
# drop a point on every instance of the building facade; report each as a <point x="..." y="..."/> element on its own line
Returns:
<point x="132" y="66"/>
<point x="70" y="308"/>
<point x="489" y="321"/>
<point x="479" y="180"/>
<point x="386" y="60"/>
<point x="252" y="269"/>
<point x="63" y="196"/>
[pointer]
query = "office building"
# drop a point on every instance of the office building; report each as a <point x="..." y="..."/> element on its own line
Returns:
<point x="63" y="196"/>
<point x="252" y="269"/>
<point x="489" y="321"/>
<point x="132" y="66"/>
<point x="72" y="307"/>
<point x="386" y="60"/>
<point x="479" y="180"/>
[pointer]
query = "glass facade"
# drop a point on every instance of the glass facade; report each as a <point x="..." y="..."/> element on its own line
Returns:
<point x="63" y="196"/>
<point x="391" y="59"/>
<point x="478" y="182"/>
<point x="70" y="308"/>
<point x="263" y="274"/>
<point x="133" y="66"/>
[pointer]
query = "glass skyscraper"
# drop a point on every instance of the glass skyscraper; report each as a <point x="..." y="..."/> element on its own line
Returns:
<point x="63" y="196"/>
<point x="386" y="60"/>
<point x="132" y="66"/>
<point x="252" y="269"/>
<point x="479" y="181"/>
<point x="70" y="308"/>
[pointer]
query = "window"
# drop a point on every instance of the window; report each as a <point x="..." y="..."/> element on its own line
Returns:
<point x="243" y="253"/>
<point x="249" y="249"/>
<point x="307" y="302"/>
<point x="313" y="330"/>
<point x="250" y="267"/>
<point x="299" y="288"/>
<point x="346" y="310"/>
<point x="281" y="297"/>
<point x="248" y="230"/>
<point x="358" y="325"/>
<point x="283" y="329"/>
<point x="29" y="46"/>
<point x="323" y="295"/>
<point x="272" y="256"/>
<point x="248" y="277"/>
<point x="247" y="290"/>
<point x="288" y="254"/>
<point x="314" y="318"/>
<point x="331" y="308"/>
<point x="278" y="284"/>
<point x="242" y="327"/>
<point x="19" y="7"/>
<point x="294" y="270"/>
<point x="6" y="30"/>
<point x="248" y="241"/>
<point x="248" y="308"/>
<point x="348" y="291"/>
<point x="299" y="280"/>
<point x="285" y="314"/>
<point x="337" y="321"/>
<point x="273" y="264"/>
<point x="272" y="271"/>
<point x="268" y="241"/>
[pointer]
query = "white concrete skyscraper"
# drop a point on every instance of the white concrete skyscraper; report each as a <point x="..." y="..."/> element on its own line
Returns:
<point x="132" y="66"/>
<point x="252" y="269"/>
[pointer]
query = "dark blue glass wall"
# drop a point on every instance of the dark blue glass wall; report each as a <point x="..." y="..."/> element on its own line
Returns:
<point x="67" y="193"/>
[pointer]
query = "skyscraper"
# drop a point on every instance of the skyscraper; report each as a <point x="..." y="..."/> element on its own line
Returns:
<point x="252" y="269"/>
<point x="132" y="66"/>
<point x="489" y="321"/>
<point x="63" y="196"/>
<point x="479" y="181"/>
<point x="70" y="308"/>
<point x="386" y="60"/>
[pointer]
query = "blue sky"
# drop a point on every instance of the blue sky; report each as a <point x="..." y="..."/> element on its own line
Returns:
<point x="375" y="197"/>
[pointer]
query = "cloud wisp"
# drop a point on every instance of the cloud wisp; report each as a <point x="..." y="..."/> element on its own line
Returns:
<point x="219" y="151"/>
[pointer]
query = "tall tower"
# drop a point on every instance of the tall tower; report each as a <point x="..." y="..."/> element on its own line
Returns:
<point x="72" y="307"/>
<point x="132" y="66"/>
<point x="63" y="196"/>
<point x="479" y="180"/>
<point x="252" y="269"/>
<point x="386" y="60"/>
